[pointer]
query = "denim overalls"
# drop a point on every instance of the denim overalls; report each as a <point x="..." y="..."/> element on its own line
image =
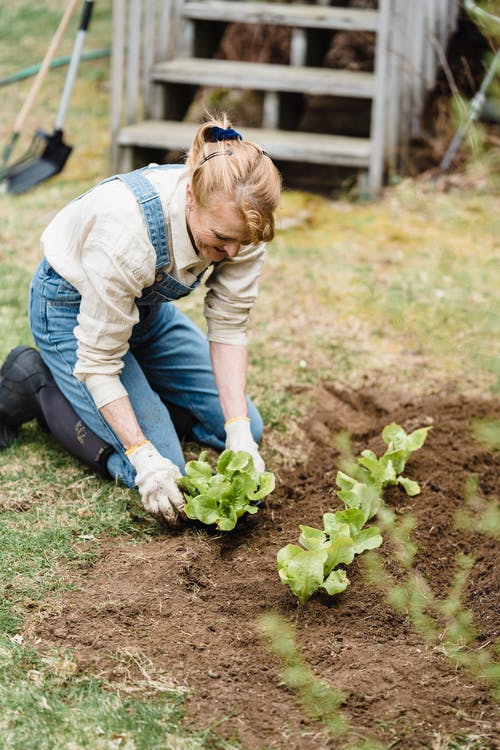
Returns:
<point x="165" y="288"/>
<point x="168" y="360"/>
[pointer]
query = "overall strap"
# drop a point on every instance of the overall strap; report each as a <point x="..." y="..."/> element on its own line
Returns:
<point x="150" y="203"/>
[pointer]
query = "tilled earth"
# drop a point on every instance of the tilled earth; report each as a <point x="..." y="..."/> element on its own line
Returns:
<point x="188" y="603"/>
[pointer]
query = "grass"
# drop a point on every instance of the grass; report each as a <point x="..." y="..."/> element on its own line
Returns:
<point x="398" y="292"/>
<point x="406" y="276"/>
<point x="46" y="705"/>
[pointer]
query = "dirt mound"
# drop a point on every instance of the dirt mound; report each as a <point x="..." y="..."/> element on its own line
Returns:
<point x="190" y="601"/>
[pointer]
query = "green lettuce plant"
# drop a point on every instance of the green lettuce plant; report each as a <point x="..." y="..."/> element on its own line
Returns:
<point x="315" y="563"/>
<point x="388" y="469"/>
<point x="222" y="496"/>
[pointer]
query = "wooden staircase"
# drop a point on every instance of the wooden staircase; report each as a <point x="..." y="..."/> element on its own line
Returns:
<point x="167" y="54"/>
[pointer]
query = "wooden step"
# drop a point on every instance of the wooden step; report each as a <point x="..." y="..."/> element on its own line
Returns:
<point x="282" y="145"/>
<point x="283" y="14"/>
<point x="264" y="76"/>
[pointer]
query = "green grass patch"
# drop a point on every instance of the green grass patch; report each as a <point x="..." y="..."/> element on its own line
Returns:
<point x="378" y="287"/>
<point x="14" y="325"/>
<point x="53" y="516"/>
<point x="47" y="705"/>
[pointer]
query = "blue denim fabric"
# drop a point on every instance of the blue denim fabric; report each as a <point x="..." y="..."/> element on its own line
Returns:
<point x="168" y="362"/>
<point x="165" y="287"/>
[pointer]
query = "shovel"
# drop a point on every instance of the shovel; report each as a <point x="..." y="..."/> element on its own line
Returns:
<point x="35" y="88"/>
<point x="48" y="153"/>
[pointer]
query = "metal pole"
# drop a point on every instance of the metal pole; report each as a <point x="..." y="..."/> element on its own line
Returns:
<point x="475" y="109"/>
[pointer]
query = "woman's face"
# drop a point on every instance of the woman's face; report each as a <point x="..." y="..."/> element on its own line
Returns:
<point x="217" y="231"/>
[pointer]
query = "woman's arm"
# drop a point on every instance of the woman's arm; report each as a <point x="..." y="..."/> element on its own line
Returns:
<point x="229" y="362"/>
<point x="120" y="416"/>
<point x="156" y="476"/>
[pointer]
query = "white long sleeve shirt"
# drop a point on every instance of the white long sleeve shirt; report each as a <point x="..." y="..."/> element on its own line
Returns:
<point x="100" y="244"/>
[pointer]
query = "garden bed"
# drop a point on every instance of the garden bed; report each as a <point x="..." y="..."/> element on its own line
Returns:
<point x="187" y="604"/>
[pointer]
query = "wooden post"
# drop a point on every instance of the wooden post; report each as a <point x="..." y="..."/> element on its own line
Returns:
<point x="379" y="105"/>
<point x="133" y="60"/>
<point x="298" y="47"/>
<point x="148" y="55"/>
<point x="429" y="56"/>
<point x="117" y="66"/>
<point x="164" y="49"/>
<point x="270" y="112"/>
<point x="418" y="91"/>
<point x="405" y="74"/>
<point x="442" y="30"/>
<point x="176" y="47"/>
<point x="396" y="103"/>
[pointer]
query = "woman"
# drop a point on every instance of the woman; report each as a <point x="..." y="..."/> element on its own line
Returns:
<point x="133" y="375"/>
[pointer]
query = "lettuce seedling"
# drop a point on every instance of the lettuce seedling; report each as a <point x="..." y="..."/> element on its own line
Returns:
<point x="302" y="570"/>
<point x="359" y="495"/>
<point x="387" y="470"/>
<point x="223" y="496"/>
<point x="362" y="539"/>
<point x="314" y="564"/>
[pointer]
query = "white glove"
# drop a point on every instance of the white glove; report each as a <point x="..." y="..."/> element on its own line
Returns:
<point x="239" y="438"/>
<point x="156" y="481"/>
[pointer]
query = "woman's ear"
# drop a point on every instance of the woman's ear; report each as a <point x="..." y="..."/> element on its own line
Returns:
<point x="189" y="194"/>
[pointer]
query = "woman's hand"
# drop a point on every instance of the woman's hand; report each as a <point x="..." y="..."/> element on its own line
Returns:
<point x="239" y="438"/>
<point x="156" y="481"/>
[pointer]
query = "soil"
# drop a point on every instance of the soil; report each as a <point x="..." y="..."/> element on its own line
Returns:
<point x="189" y="601"/>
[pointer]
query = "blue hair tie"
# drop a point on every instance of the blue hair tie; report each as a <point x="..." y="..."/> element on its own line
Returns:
<point x="223" y="134"/>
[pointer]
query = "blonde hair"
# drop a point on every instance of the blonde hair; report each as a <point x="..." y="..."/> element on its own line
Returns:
<point x="238" y="170"/>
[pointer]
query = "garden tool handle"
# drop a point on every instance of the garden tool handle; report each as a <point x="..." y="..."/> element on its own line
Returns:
<point x="44" y="68"/>
<point x="73" y="65"/>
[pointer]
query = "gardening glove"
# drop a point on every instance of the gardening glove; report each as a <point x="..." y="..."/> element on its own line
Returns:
<point x="239" y="438"/>
<point x="156" y="481"/>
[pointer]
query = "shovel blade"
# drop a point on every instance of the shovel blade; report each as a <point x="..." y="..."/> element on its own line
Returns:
<point x="38" y="169"/>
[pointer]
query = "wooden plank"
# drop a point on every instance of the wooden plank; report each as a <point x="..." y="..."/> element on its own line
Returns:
<point x="133" y="60"/>
<point x="117" y="66"/>
<point x="177" y="20"/>
<point x="453" y="13"/>
<point x="298" y="47"/>
<point x="163" y="44"/>
<point x="283" y="145"/>
<point x="265" y="77"/>
<point x="271" y="110"/>
<point x="442" y="31"/>
<point x="379" y="106"/>
<point x="125" y="160"/>
<point x="403" y="32"/>
<point x="429" y="66"/>
<point x="148" y="54"/>
<point x="185" y="31"/>
<point x="395" y="64"/>
<point x="283" y="14"/>
<point x="419" y="89"/>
